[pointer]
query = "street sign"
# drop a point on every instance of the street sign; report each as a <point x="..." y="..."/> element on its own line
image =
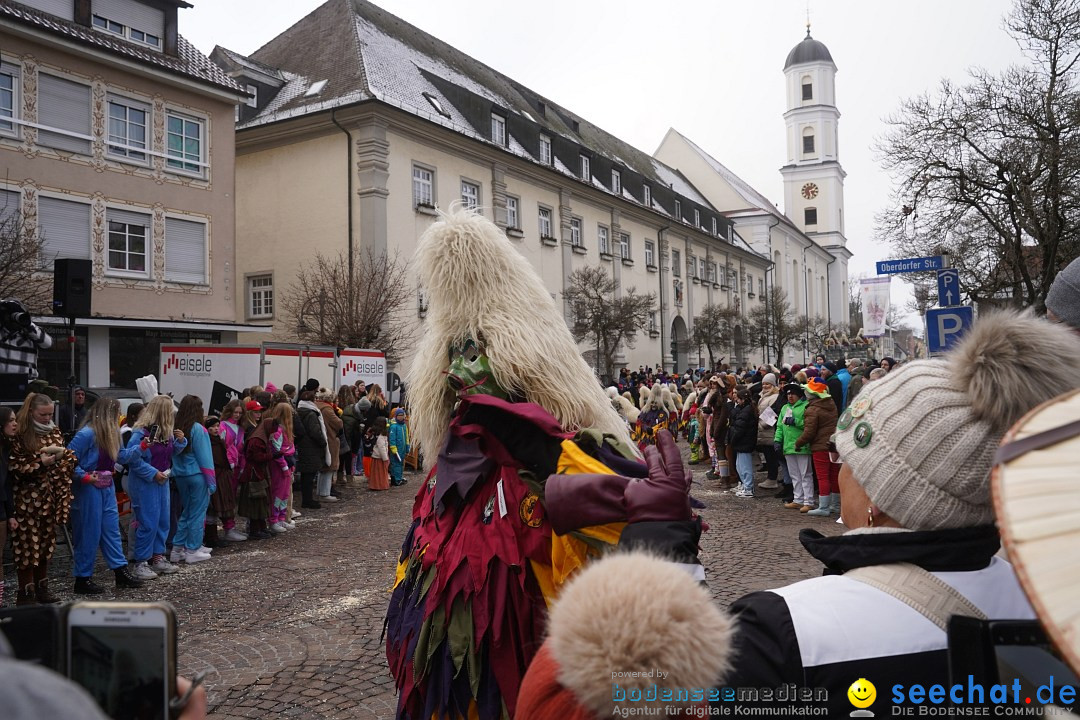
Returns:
<point x="948" y="287"/>
<point x="910" y="265"/>
<point x="944" y="326"/>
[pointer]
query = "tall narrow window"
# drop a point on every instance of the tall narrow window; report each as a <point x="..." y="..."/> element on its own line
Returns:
<point x="650" y="253"/>
<point x="697" y="218"/>
<point x="647" y="195"/>
<point x="545" y="150"/>
<point x="807" y="90"/>
<point x="586" y="170"/>
<point x="423" y="183"/>
<point x="678" y="210"/>
<point x="624" y="246"/>
<point x="261" y="296"/>
<point x="513" y="220"/>
<point x="701" y="269"/>
<point x="676" y="263"/>
<point x="808" y="143"/>
<point x="714" y="227"/>
<point x="616" y="182"/>
<point x="8" y="92"/>
<point x="810" y="216"/>
<point x="575" y="231"/>
<point x="128" y="233"/>
<point x="185" y="143"/>
<point x="127" y="129"/>
<point x="470" y="194"/>
<point x="602" y="245"/>
<point x="545" y="222"/>
<point x="253" y="96"/>
<point x="498" y="129"/>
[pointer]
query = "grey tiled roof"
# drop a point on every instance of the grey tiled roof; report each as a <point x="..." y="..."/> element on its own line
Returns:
<point x="189" y="62"/>
<point x="367" y="53"/>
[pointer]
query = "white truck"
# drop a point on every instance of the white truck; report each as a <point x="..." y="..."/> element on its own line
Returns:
<point x="200" y="369"/>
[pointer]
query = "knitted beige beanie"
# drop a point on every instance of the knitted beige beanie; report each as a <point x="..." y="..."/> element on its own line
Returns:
<point x="921" y="441"/>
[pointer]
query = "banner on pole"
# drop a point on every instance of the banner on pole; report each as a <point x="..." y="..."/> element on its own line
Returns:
<point x="874" y="293"/>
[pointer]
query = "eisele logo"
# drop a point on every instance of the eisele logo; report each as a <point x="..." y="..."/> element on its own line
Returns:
<point x="364" y="367"/>
<point x="185" y="365"/>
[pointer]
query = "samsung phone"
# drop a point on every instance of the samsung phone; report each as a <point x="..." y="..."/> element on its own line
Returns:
<point x="35" y="634"/>
<point x="124" y="655"/>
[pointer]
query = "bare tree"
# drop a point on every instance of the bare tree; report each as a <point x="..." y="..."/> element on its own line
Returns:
<point x="602" y="320"/>
<point x="321" y="310"/>
<point x="990" y="170"/>
<point x="22" y="262"/>
<point x="714" y="329"/>
<point x="776" y="320"/>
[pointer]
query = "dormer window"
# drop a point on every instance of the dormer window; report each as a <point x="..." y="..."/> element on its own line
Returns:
<point x="545" y="150"/>
<point x="678" y="210"/>
<point x="498" y="129"/>
<point x="316" y="88"/>
<point x="616" y="181"/>
<point x="435" y="103"/>
<point x="134" y="21"/>
<point x="697" y="218"/>
<point x="253" y="92"/>
<point x="586" y="170"/>
<point x="647" y="194"/>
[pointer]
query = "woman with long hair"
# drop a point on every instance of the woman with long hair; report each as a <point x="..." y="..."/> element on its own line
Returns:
<point x="324" y="400"/>
<point x="253" y="502"/>
<point x="8" y="425"/>
<point x="96" y="519"/>
<point x="149" y="470"/>
<point x="281" y="468"/>
<point x="346" y="399"/>
<point x="232" y="435"/>
<point x="193" y="472"/>
<point x="40" y="473"/>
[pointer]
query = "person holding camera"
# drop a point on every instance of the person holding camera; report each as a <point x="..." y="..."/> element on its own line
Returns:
<point x="40" y="470"/>
<point x="97" y="520"/>
<point x="20" y="340"/>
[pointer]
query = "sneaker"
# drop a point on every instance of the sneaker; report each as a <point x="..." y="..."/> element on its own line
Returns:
<point x="163" y="567"/>
<point x="768" y="485"/>
<point x="290" y="525"/>
<point x="295" y="514"/>
<point x="143" y="572"/>
<point x="205" y="550"/>
<point x="742" y="493"/>
<point x="327" y="498"/>
<point x="87" y="586"/>
<point x="177" y="554"/>
<point x="277" y="528"/>
<point x="234" y="535"/>
<point x="195" y="556"/>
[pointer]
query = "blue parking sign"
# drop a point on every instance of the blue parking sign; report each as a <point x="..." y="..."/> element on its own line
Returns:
<point x="948" y="287"/>
<point x="945" y="326"/>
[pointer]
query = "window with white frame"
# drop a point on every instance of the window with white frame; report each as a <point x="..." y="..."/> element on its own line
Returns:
<point x="734" y="280"/>
<point x="647" y="194"/>
<point x="184" y="143"/>
<point x="701" y="268"/>
<point x="513" y="219"/>
<point x="133" y="21"/>
<point x="697" y="218"/>
<point x="128" y="241"/>
<point x="260" y="296"/>
<point x="544" y="218"/>
<point x="586" y="170"/>
<point x="652" y="321"/>
<point x="715" y="227"/>
<point x="616" y="181"/>
<point x="185" y="251"/>
<point x="252" y="100"/>
<point x="575" y="231"/>
<point x="602" y="240"/>
<point x="9" y="94"/>
<point x="678" y="210"/>
<point x="423" y="186"/>
<point x="676" y="263"/>
<point x="545" y="150"/>
<point x="64" y="109"/>
<point x="624" y="246"/>
<point x="749" y="283"/>
<point x="64" y="229"/>
<point x="650" y="253"/>
<point x="128" y="121"/>
<point x="498" y="129"/>
<point x="470" y="194"/>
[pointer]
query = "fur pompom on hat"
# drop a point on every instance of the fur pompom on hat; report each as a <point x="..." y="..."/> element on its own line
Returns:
<point x="603" y="624"/>
<point x="921" y="440"/>
<point x="479" y="286"/>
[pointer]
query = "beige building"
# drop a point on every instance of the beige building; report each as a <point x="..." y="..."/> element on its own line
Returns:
<point x="361" y="124"/>
<point x="117" y="139"/>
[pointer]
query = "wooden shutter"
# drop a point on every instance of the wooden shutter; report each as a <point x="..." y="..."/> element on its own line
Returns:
<point x="65" y="229"/>
<point x="185" y="251"/>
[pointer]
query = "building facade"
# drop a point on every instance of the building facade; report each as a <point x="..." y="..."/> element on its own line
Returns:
<point x="346" y="149"/>
<point x="118" y="140"/>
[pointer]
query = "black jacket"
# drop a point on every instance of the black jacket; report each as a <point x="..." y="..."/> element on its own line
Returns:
<point x="742" y="435"/>
<point x="7" y="499"/>
<point x="829" y="631"/>
<point x="836" y="390"/>
<point x="311" y="443"/>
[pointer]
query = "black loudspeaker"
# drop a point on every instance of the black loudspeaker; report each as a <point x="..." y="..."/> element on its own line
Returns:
<point x="71" y="288"/>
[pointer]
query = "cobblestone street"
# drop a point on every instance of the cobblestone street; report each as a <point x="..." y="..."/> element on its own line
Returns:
<point x="290" y="627"/>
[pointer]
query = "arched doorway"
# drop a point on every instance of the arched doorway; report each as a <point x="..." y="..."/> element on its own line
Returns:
<point x="680" y="344"/>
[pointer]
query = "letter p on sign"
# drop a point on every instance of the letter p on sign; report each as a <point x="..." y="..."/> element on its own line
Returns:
<point x="945" y="326"/>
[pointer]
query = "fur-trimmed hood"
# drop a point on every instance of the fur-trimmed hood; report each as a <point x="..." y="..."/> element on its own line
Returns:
<point x="603" y="624"/>
<point x="481" y="287"/>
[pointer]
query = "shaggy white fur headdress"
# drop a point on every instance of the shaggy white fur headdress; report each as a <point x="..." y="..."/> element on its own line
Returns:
<point x="479" y="286"/>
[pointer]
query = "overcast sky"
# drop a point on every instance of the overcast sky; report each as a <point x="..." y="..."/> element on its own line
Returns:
<point x="712" y="69"/>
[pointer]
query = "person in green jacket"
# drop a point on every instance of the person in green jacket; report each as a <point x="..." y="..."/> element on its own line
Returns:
<point x="789" y="427"/>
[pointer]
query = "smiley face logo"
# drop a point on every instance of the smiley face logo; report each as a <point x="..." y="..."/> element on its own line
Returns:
<point x="862" y="693"/>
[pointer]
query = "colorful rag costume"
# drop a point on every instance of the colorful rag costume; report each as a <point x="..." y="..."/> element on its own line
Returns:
<point x="504" y="410"/>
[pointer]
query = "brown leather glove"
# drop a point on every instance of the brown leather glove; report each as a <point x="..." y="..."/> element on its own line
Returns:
<point x="573" y="502"/>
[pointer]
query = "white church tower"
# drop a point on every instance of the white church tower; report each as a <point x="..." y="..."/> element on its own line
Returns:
<point x="813" y="177"/>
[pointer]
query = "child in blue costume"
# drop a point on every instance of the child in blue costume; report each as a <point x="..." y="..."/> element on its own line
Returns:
<point x="399" y="447"/>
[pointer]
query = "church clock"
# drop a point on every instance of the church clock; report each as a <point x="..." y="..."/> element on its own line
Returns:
<point x="809" y="191"/>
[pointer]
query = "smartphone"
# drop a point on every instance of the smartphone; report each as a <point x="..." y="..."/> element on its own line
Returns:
<point x="35" y="634"/>
<point x="124" y="655"/>
<point x="152" y="433"/>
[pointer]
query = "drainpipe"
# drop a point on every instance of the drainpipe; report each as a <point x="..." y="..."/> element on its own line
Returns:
<point x="348" y="204"/>
<point x="828" y="290"/>
<point x="663" y="297"/>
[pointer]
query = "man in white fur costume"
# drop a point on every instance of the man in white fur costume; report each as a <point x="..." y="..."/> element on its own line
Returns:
<point x="533" y="477"/>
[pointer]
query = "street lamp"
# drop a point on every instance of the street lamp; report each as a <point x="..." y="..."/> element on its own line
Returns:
<point x="764" y="361"/>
